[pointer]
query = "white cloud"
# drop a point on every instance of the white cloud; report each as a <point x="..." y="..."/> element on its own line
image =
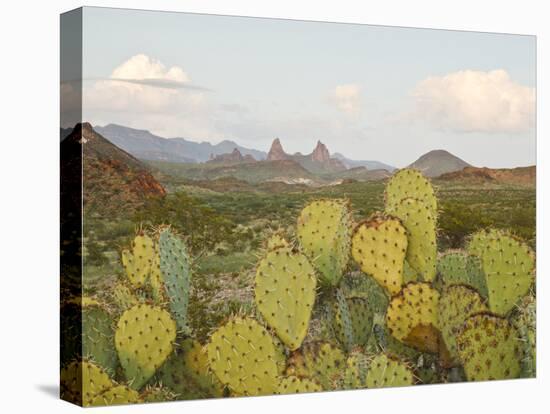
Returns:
<point x="347" y="98"/>
<point x="475" y="101"/>
<point x="142" y="91"/>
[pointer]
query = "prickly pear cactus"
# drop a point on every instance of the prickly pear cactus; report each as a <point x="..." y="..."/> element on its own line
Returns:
<point x="410" y="183"/>
<point x="385" y="371"/>
<point x="98" y="336"/>
<point x="355" y="374"/>
<point x="242" y="354"/>
<point x="82" y="381"/>
<point x="340" y="319"/>
<point x="525" y="321"/>
<point x="285" y="293"/>
<point x="457" y="267"/>
<point x="318" y="361"/>
<point x="276" y="241"/>
<point x="379" y="246"/>
<point x="357" y="285"/>
<point x="153" y="394"/>
<point x="324" y="232"/>
<point x="123" y="297"/>
<point x="420" y="224"/>
<point x="117" y="395"/>
<point x="508" y="265"/>
<point x="409" y="274"/>
<point x="488" y="348"/>
<point x="456" y="304"/>
<point x="137" y="262"/>
<point x="412" y="317"/>
<point x="156" y="281"/>
<point x="143" y="340"/>
<point x="175" y="267"/>
<point x="294" y="385"/>
<point x="361" y="315"/>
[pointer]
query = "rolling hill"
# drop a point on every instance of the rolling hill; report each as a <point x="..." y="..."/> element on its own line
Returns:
<point x="522" y="176"/>
<point x="114" y="180"/>
<point x="437" y="162"/>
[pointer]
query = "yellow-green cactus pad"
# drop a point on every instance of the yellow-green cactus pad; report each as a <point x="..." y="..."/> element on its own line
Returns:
<point x="153" y="394"/>
<point x="525" y="321"/>
<point x="385" y="371"/>
<point x="509" y="267"/>
<point x="285" y="292"/>
<point x="319" y="361"/>
<point x="379" y="246"/>
<point x="242" y="355"/>
<point x="123" y="297"/>
<point x="488" y="348"/>
<point x="324" y="232"/>
<point x="98" y="336"/>
<point x="117" y="395"/>
<point x="457" y="267"/>
<point x="82" y="381"/>
<point x="276" y="241"/>
<point x="195" y="364"/>
<point x="143" y="339"/>
<point x="295" y="385"/>
<point x="355" y="374"/>
<point x="456" y="304"/>
<point x="410" y="183"/>
<point x="412" y="317"/>
<point x="137" y="262"/>
<point x="420" y="224"/>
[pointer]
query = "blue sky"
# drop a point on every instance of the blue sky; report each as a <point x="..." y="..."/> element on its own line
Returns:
<point x="369" y="92"/>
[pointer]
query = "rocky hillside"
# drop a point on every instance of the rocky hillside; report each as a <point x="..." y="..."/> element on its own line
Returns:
<point x="234" y="157"/>
<point x="114" y="181"/>
<point x="522" y="176"/>
<point x="437" y="162"/>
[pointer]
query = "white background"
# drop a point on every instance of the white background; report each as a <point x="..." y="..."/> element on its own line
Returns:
<point x="29" y="137"/>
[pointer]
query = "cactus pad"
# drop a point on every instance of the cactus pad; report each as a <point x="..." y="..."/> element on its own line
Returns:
<point x="525" y="322"/>
<point x="385" y="371"/>
<point x="276" y="241"/>
<point x="318" y="361"/>
<point x="98" y="336"/>
<point x="355" y="374"/>
<point x="410" y="183"/>
<point x="81" y="381"/>
<point x="457" y="267"/>
<point x="123" y="297"/>
<point x="176" y="273"/>
<point x="143" y="340"/>
<point x="341" y="320"/>
<point x="456" y="304"/>
<point x="116" y="395"/>
<point x="137" y="262"/>
<point x="242" y="354"/>
<point x="420" y="224"/>
<point x="412" y="317"/>
<point x="157" y="394"/>
<point x="323" y="230"/>
<point x="295" y="385"/>
<point x="285" y="292"/>
<point x="379" y="246"/>
<point x="488" y="348"/>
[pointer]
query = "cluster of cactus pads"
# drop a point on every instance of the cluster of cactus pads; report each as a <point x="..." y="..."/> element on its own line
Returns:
<point x="392" y="311"/>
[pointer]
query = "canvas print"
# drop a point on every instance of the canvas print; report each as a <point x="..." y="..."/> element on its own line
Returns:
<point x="264" y="206"/>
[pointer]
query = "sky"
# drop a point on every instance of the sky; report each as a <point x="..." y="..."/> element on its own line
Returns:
<point x="369" y="92"/>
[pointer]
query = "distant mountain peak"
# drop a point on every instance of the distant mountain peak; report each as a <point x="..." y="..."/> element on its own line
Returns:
<point x="234" y="156"/>
<point x="437" y="162"/>
<point x="320" y="153"/>
<point x="276" y="152"/>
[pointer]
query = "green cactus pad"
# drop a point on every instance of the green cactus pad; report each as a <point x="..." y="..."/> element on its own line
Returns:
<point x="410" y="183"/>
<point x="276" y="241"/>
<point x="98" y="336"/>
<point x="409" y="274"/>
<point x="488" y="348"/>
<point x="157" y="282"/>
<point x="420" y="224"/>
<point x="361" y="314"/>
<point x="355" y="374"/>
<point x="137" y="262"/>
<point x="318" y="361"/>
<point x="143" y="340"/>
<point x="356" y="284"/>
<point x="385" y="371"/>
<point x="242" y="354"/>
<point x="508" y="265"/>
<point x="123" y="297"/>
<point x="153" y="394"/>
<point x="412" y="317"/>
<point x="285" y="292"/>
<point x="341" y="320"/>
<point x="117" y="395"/>
<point x="457" y="267"/>
<point x="525" y="321"/>
<point x="175" y="267"/>
<point x="81" y="381"/>
<point x="456" y="304"/>
<point x="295" y="385"/>
<point x="324" y="231"/>
<point x="379" y="246"/>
